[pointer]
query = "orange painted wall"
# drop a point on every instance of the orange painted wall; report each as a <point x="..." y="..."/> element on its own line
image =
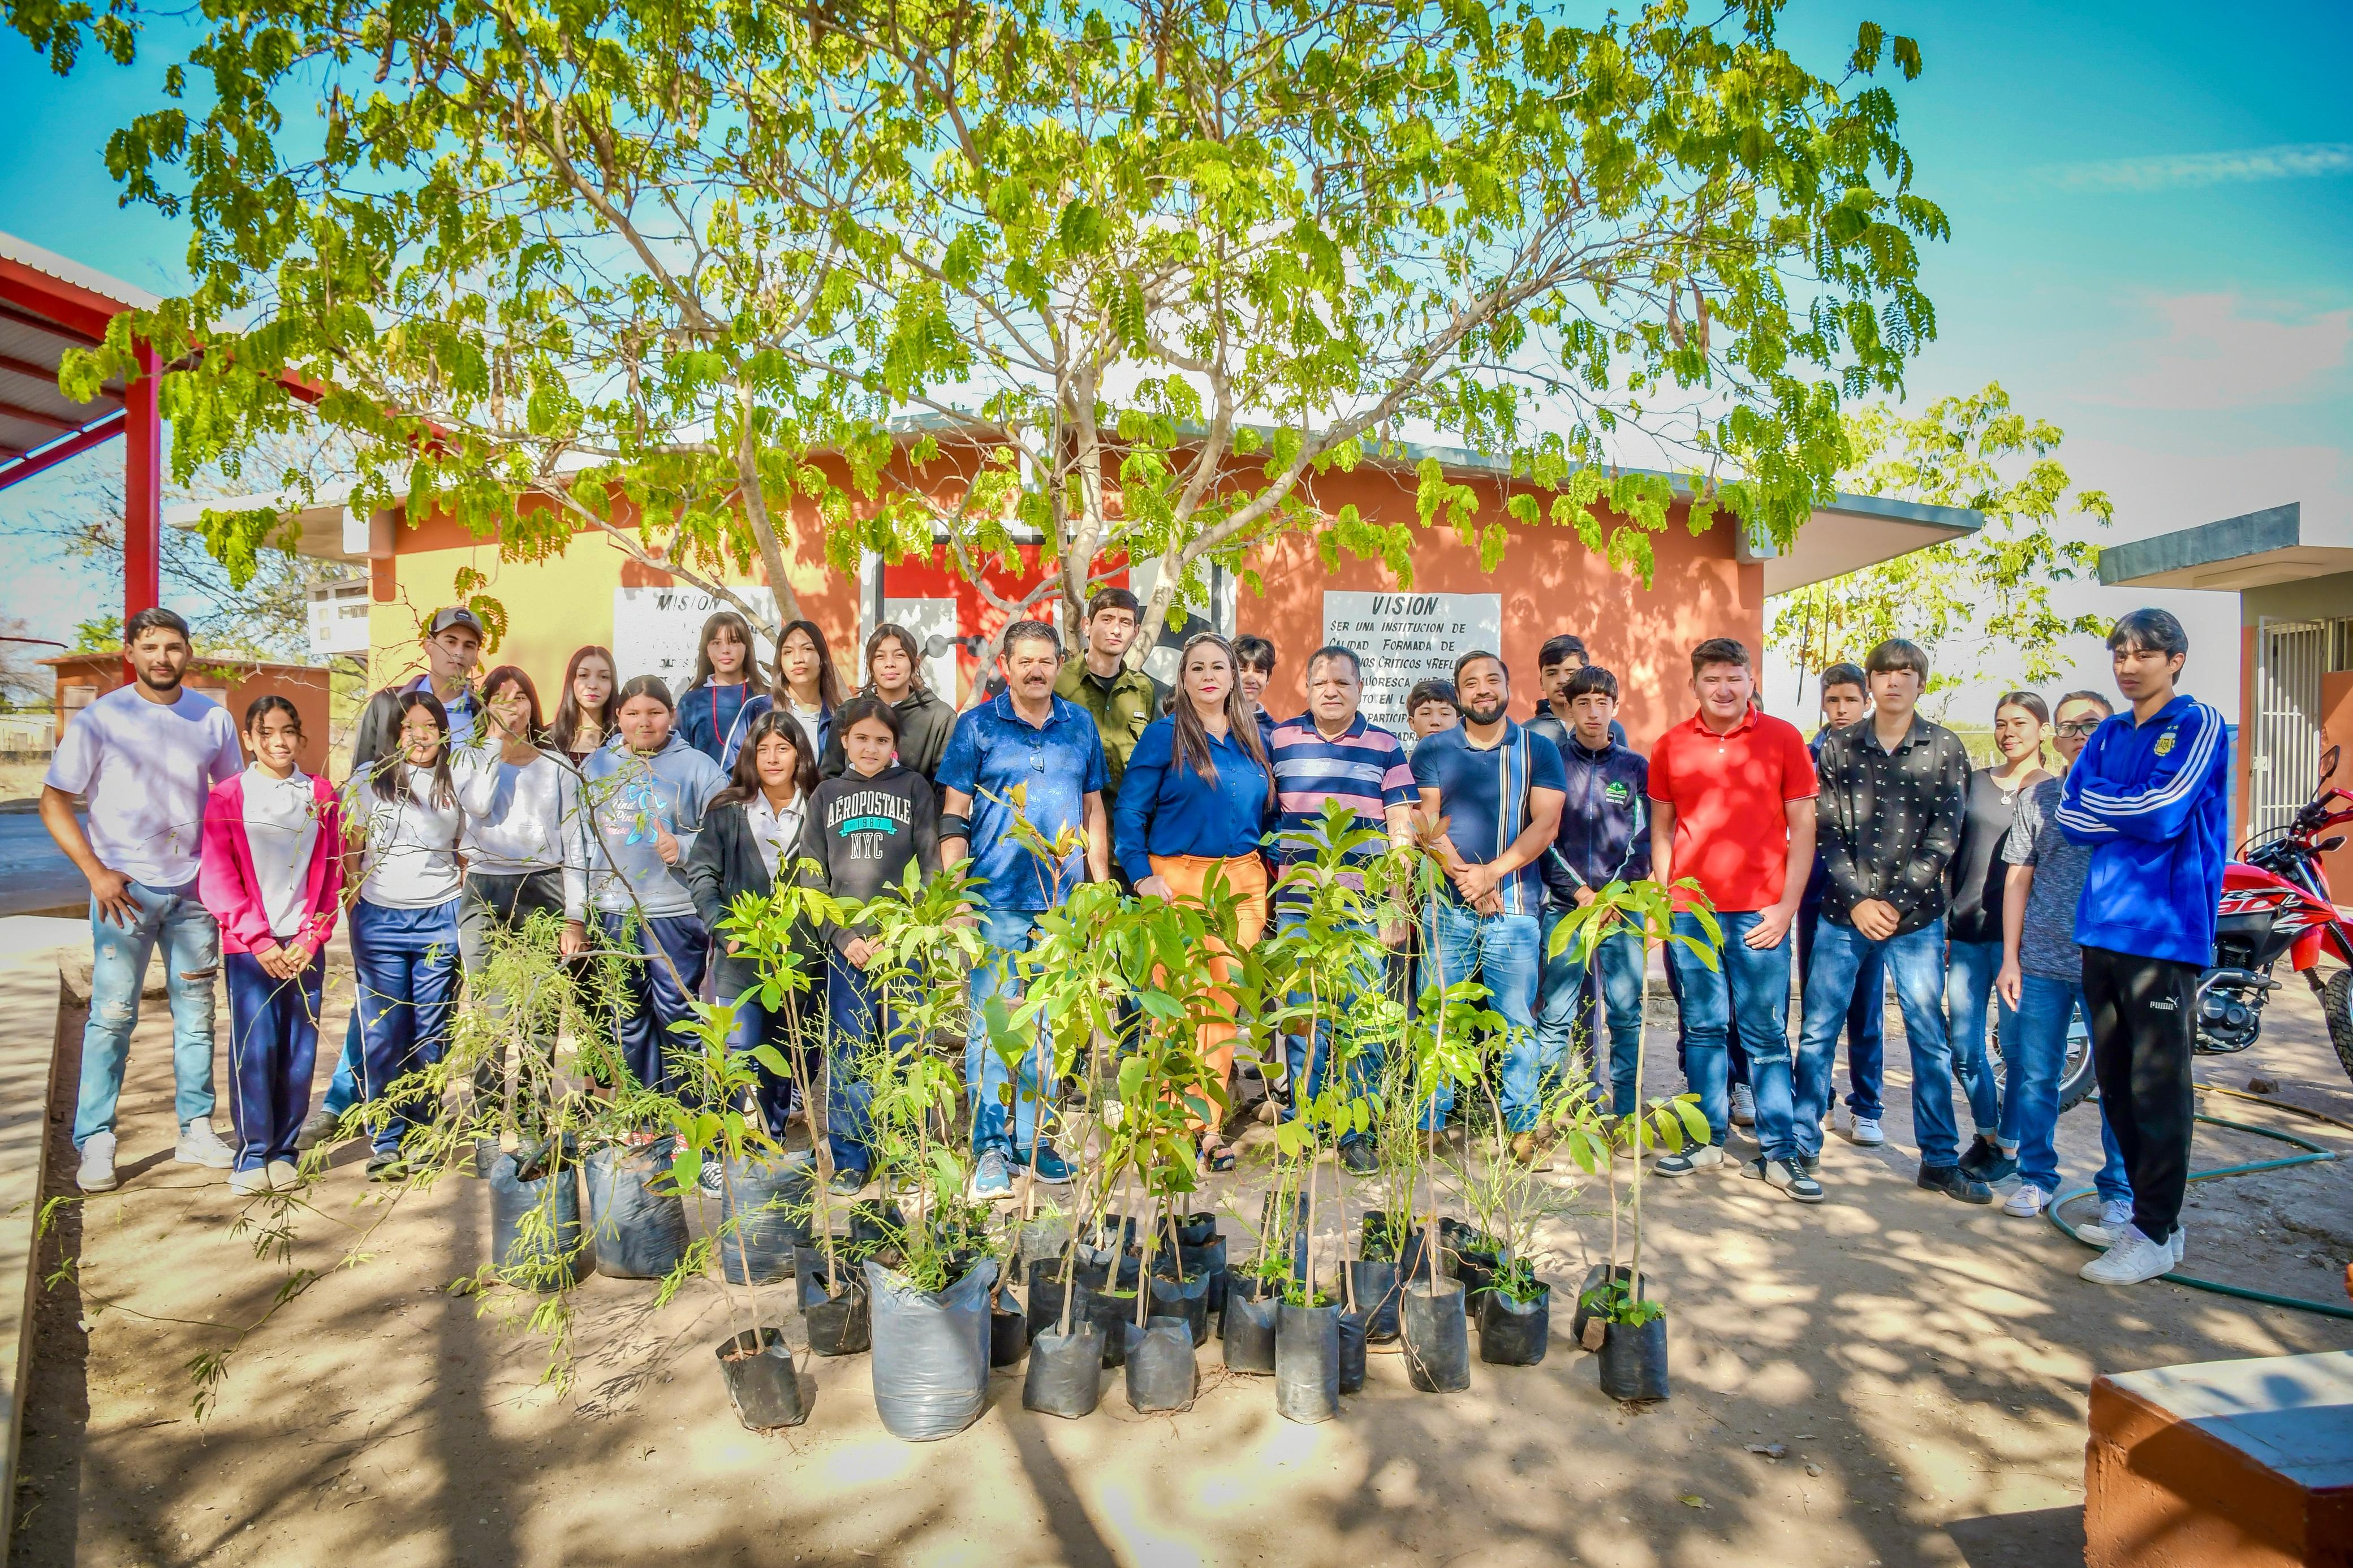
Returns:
<point x="232" y="683"/>
<point x="2336" y="730"/>
<point x="1549" y="583"/>
<point x="2243" y="762"/>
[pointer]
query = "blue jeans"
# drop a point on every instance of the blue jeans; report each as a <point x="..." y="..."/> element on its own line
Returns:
<point x="656" y="993"/>
<point x="170" y="918"/>
<point x="1565" y="1002"/>
<point x="860" y="1011"/>
<point x="1753" y="987"/>
<point x="1306" y="1066"/>
<point x="1003" y="933"/>
<point x="2036" y="1055"/>
<point x="1968" y="988"/>
<point x="344" y="1089"/>
<point x="273" y="1042"/>
<point x="407" y="965"/>
<point x="757" y="1026"/>
<point x="1867" y="1021"/>
<point x="1506" y="952"/>
<point x="1916" y="960"/>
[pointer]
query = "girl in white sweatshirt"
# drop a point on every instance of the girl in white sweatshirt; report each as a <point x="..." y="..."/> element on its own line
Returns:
<point x="408" y="806"/>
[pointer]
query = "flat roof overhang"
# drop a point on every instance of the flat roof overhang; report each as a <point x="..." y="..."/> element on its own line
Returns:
<point x="2254" y="549"/>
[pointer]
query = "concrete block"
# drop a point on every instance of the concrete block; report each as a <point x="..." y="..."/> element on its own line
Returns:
<point x="2245" y="1463"/>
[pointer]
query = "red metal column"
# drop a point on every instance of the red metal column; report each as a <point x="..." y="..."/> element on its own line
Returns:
<point x="143" y="492"/>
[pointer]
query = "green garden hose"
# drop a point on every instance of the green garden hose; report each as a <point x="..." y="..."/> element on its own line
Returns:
<point x="2314" y="1155"/>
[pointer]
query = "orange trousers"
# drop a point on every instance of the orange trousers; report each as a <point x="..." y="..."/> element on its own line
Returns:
<point x="1188" y="877"/>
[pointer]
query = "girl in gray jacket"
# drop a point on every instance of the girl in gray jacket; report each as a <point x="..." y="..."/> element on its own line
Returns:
<point x="625" y="871"/>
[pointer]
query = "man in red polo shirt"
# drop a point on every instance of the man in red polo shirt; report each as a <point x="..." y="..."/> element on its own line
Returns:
<point x="1731" y="798"/>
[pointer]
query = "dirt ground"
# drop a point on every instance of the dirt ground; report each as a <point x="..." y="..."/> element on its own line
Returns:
<point x="1924" y="1366"/>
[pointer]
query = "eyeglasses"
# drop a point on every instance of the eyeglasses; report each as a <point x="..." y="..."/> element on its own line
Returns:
<point x="2079" y="727"/>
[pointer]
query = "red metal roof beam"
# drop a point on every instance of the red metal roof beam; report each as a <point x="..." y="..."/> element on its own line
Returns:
<point x="40" y="460"/>
<point x="38" y="417"/>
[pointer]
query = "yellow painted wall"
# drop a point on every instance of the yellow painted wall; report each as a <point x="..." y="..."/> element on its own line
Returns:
<point x="553" y="607"/>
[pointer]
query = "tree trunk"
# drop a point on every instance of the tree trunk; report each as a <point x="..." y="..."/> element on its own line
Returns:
<point x="755" y="514"/>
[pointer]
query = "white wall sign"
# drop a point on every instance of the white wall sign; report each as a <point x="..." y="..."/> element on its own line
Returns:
<point x="654" y="630"/>
<point x="1408" y="637"/>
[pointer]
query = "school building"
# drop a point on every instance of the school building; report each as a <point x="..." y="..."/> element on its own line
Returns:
<point x="1709" y="584"/>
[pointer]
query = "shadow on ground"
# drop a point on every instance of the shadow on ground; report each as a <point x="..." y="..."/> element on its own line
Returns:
<point x="1922" y="1366"/>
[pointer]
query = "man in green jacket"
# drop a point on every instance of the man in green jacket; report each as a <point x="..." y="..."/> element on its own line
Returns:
<point x="1121" y="701"/>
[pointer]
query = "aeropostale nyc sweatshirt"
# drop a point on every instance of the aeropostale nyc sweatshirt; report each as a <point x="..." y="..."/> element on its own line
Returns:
<point x="865" y="832"/>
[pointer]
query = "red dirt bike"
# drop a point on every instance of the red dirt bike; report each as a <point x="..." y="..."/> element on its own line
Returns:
<point x="2276" y="902"/>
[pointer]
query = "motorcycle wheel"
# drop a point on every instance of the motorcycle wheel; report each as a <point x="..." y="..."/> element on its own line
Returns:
<point x="2336" y="1004"/>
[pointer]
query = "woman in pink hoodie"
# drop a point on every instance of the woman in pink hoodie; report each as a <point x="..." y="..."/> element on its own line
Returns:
<point x="272" y="874"/>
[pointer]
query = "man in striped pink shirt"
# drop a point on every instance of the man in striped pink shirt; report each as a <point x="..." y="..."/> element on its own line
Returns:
<point x="1332" y="752"/>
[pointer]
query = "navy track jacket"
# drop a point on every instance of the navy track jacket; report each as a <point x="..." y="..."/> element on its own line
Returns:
<point x="1605" y="822"/>
<point x="2153" y="802"/>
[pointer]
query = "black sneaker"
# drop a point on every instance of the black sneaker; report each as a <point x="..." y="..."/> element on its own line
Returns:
<point x="846" y="1182"/>
<point x="387" y="1168"/>
<point x="1981" y="1152"/>
<point x="1998" y="1167"/>
<point x="1356" y="1157"/>
<point x="1954" y="1183"/>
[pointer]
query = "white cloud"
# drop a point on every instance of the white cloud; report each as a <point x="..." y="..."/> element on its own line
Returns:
<point x="2293" y="161"/>
<point x="2216" y="352"/>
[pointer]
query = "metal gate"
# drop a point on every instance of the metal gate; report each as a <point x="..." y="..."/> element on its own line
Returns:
<point x="2289" y="659"/>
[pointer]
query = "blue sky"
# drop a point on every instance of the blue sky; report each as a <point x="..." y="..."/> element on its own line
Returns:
<point x="2152" y="211"/>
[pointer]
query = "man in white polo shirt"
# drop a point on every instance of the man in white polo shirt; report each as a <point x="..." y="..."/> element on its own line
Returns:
<point x="143" y="757"/>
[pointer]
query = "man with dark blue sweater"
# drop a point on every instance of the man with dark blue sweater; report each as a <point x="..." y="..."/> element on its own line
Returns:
<point x="1604" y="836"/>
<point x="2149" y="796"/>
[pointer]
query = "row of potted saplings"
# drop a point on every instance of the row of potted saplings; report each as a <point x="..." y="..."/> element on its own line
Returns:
<point x="1110" y="1000"/>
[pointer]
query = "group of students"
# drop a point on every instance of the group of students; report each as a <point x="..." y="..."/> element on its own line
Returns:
<point x="2007" y="897"/>
<point x="635" y="819"/>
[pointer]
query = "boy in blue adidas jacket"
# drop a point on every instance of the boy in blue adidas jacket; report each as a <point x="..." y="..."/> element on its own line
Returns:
<point x="1604" y="838"/>
<point x="2149" y="796"/>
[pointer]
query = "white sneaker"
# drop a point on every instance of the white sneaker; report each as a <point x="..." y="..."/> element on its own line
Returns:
<point x="1691" y="1158"/>
<point x="200" y="1145"/>
<point x="283" y="1176"/>
<point x="2180" y="1241"/>
<point x="1744" y="1106"/>
<point x="2027" y="1201"/>
<point x="97" y="1172"/>
<point x="249" y="1184"/>
<point x="2134" y="1258"/>
<point x="1867" y="1133"/>
<point x="2116" y="1218"/>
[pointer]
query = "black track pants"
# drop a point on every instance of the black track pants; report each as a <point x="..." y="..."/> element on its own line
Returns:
<point x="2143" y="1017"/>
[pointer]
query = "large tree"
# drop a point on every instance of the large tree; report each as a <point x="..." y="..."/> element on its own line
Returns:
<point x="1131" y="277"/>
<point x="1982" y="603"/>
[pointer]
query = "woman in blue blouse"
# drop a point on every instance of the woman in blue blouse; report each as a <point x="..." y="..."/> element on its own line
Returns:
<point x="1194" y="802"/>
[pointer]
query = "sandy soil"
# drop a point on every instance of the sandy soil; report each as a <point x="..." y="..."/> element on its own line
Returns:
<point x="1924" y="1365"/>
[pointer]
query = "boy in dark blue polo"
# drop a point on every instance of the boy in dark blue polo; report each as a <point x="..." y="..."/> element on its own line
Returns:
<point x="2149" y="796"/>
<point x="1023" y="738"/>
<point x="1604" y="838"/>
